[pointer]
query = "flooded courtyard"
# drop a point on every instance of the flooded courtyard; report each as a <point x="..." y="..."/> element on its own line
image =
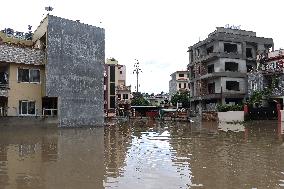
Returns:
<point x="144" y="154"/>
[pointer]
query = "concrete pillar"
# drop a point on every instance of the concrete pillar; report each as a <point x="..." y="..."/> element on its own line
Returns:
<point x="244" y="50"/>
<point x="240" y="50"/>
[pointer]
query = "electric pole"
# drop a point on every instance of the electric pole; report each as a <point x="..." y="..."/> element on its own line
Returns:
<point x="136" y="71"/>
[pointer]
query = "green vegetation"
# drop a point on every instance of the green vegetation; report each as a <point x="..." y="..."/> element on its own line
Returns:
<point x="225" y="108"/>
<point x="257" y="96"/>
<point x="182" y="97"/>
<point x="139" y="100"/>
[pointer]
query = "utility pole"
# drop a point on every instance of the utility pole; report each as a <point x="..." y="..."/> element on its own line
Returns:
<point x="136" y="71"/>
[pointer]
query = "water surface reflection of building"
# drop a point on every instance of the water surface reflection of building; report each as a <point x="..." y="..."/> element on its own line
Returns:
<point x="225" y="158"/>
<point x="42" y="158"/>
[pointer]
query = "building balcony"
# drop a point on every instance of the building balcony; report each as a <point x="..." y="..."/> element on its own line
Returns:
<point x="208" y="96"/>
<point x="212" y="56"/>
<point x="224" y="74"/>
<point x="123" y="88"/>
<point x="182" y="79"/>
<point x="219" y="74"/>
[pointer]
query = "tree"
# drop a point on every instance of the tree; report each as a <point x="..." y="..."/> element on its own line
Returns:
<point x="139" y="100"/>
<point x="181" y="97"/>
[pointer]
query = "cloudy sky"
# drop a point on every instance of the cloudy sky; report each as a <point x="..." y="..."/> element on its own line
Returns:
<point x="156" y="32"/>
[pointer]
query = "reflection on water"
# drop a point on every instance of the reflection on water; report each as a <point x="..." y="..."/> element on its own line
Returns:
<point x="203" y="155"/>
<point x="144" y="154"/>
<point x="35" y="158"/>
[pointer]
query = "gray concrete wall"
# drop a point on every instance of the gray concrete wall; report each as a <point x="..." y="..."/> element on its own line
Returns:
<point x="74" y="71"/>
<point x="242" y="84"/>
<point x="231" y="116"/>
<point x="219" y="64"/>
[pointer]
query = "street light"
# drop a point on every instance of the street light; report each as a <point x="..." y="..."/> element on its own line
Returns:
<point x="136" y="71"/>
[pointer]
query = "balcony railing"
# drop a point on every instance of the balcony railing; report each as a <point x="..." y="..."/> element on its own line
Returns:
<point x="49" y="112"/>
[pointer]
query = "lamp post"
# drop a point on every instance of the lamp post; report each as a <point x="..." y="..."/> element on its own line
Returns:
<point x="136" y="71"/>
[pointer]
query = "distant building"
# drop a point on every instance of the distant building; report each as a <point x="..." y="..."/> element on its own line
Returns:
<point x="158" y="100"/>
<point x="219" y="65"/>
<point x="179" y="82"/>
<point x="57" y="70"/>
<point x="116" y="92"/>
<point x="269" y="75"/>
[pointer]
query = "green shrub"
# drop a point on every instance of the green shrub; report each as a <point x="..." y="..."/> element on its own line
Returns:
<point x="225" y="108"/>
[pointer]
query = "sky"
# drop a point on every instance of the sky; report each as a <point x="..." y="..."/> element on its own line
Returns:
<point x="155" y="32"/>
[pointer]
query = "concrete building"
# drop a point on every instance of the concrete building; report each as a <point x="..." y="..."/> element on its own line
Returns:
<point x="57" y="70"/>
<point x="269" y="75"/>
<point x="179" y="82"/>
<point x="219" y="65"/>
<point x="116" y="93"/>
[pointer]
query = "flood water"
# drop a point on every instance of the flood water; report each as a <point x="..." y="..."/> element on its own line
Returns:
<point x="144" y="154"/>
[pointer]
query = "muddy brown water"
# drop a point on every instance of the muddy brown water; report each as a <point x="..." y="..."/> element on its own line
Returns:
<point x="144" y="154"/>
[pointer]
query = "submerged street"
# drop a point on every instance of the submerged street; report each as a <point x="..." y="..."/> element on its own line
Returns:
<point x="144" y="154"/>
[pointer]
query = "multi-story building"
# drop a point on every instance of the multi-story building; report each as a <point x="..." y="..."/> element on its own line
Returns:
<point x="57" y="70"/>
<point x="116" y="92"/>
<point x="179" y="82"/>
<point x="269" y="76"/>
<point x="219" y="65"/>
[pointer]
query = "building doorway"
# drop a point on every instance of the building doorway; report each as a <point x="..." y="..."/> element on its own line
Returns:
<point x="3" y="105"/>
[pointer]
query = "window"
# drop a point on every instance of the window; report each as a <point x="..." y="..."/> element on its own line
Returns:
<point x="28" y="75"/>
<point x="112" y="88"/>
<point x="211" y="88"/>
<point x="119" y="96"/>
<point x="35" y="76"/>
<point x="231" y="66"/>
<point x="209" y="50"/>
<point x="125" y="96"/>
<point x="230" y="48"/>
<point x="184" y="85"/>
<point x="27" y="107"/>
<point x="120" y="72"/>
<point x="179" y="85"/>
<point x="112" y="74"/>
<point x="210" y="68"/>
<point x="112" y="102"/>
<point x="23" y="75"/>
<point x="249" y="52"/>
<point x="181" y="75"/>
<point x="232" y="85"/>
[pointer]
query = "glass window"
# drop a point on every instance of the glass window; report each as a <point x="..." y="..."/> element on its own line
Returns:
<point x="112" y="88"/>
<point x="112" y="74"/>
<point x="125" y="96"/>
<point x="31" y="108"/>
<point x="35" y="76"/>
<point x="28" y="75"/>
<point x="27" y="107"/>
<point x="23" y="75"/>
